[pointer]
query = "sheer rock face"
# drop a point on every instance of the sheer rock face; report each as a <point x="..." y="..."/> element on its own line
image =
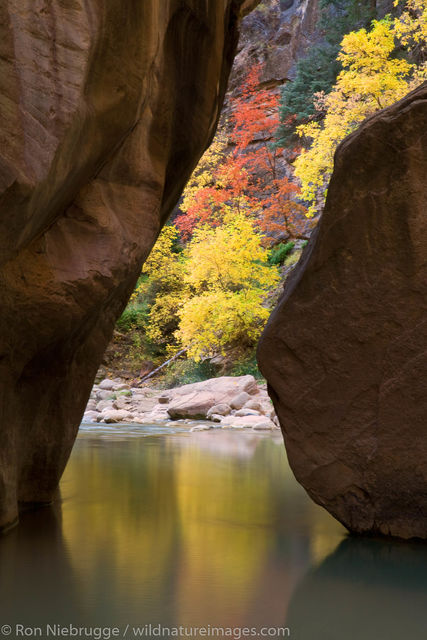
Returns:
<point x="345" y="351"/>
<point x="105" y="112"/>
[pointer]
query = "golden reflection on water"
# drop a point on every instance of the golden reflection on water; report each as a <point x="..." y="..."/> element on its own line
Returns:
<point x="207" y="528"/>
<point x="199" y="529"/>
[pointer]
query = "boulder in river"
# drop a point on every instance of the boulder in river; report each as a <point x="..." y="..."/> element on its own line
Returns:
<point x="344" y="352"/>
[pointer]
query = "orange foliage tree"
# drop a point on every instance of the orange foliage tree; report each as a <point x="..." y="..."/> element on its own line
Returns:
<point x="247" y="179"/>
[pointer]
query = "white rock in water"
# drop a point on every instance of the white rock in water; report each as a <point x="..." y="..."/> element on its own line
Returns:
<point x="201" y="428"/>
<point x="113" y="416"/>
<point x="265" y="425"/>
<point x="246" y="412"/>
<point x="90" y="416"/>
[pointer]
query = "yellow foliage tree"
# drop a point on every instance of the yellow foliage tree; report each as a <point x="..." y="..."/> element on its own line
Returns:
<point x="162" y="287"/>
<point x="411" y="28"/>
<point x="371" y="79"/>
<point x="228" y="278"/>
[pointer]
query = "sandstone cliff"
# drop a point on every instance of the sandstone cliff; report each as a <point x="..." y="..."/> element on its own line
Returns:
<point x="106" y="108"/>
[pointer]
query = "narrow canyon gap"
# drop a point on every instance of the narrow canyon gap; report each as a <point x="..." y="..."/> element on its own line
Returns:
<point x="105" y="110"/>
<point x="105" y="113"/>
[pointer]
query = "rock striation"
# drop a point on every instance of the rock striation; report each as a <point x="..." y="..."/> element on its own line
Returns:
<point x="106" y="109"/>
<point x="345" y="350"/>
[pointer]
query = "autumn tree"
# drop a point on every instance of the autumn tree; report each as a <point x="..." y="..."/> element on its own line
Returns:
<point x="161" y="288"/>
<point x="317" y="71"/>
<point x="256" y="119"/>
<point x="248" y="178"/>
<point x="372" y="78"/>
<point x="228" y="280"/>
<point x="207" y="191"/>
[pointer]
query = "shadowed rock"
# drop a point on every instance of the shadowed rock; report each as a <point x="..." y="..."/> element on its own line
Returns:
<point x="106" y="108"/>
<point x="345" y="351"/>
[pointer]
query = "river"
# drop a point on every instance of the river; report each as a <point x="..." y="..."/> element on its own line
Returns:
<point x="160" y="526"/>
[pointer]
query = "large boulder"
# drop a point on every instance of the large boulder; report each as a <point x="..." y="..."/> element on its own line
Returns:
<point x="345" y="351"/>
<point x="195" y="400"/>
<point x="106" y="108"/>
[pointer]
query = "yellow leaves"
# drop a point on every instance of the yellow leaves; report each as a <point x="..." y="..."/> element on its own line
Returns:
<point x="229" y="278"/>
<point x="211" y="295"/>
<point x="371" y="79"/>
<point x="213" y="320"/>
<point x="411" y="26"/>
<point x="162" y="264"/>
<point x="369" y="70"/>
<point x="227" y="257"/>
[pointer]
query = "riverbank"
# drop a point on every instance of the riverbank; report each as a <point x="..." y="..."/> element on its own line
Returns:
<point x="225" y="402"/>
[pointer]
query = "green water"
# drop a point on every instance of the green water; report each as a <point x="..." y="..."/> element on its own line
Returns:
<point x="201" y="529"/>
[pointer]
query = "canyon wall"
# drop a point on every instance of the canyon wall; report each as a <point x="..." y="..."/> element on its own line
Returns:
<point x="106" y="108"/>
<point x="344" y="352"/>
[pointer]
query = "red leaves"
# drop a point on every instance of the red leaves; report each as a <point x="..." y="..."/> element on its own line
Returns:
<point x="250" y="179"/>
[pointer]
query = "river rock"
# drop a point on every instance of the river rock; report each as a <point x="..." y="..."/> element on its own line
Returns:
<point x="114" y="415"/>
<point x="246" y="412"/>
<point x="103" y="394"/>
<point x="238" y="401"/>
<point x="191" y="406"/>
<point x="90" y="416"/>
<point x="195" y="400"/>
<point x="215" y="417"/>
<point x="253" y="404"/>
<point x="106" y="108"/>
<point x="104" y="404"/>
<point x="264" y="425"/>
<point x="219" y="409"/>
<point x="345" y="353"/>
<point x="246" y="422"/>
<point x="122" y="402"/>
<point x="109" y="385"/>
<point x="122" y="386"/>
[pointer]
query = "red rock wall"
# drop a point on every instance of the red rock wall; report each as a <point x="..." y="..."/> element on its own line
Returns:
<point x="106" y="108"/>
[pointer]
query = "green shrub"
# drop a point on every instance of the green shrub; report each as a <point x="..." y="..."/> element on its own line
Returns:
<point x="185" y="372"/>
<point x="135" y="315"/>
<point x="247" y="366"/>
<point x="280" y="252"/>
<point x="318" y="70"/>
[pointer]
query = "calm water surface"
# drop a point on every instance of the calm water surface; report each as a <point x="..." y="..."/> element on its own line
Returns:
<point x="158" y="525"/>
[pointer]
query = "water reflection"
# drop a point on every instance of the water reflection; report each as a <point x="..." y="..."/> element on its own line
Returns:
<point x="370" y="589"/>
<point x="36" y="576"/>
<point x="198" y="529"/>
<point x="207" y="528"/>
